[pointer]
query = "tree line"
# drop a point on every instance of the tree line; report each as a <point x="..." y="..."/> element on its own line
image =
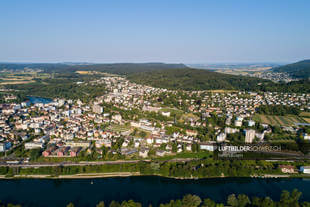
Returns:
<point x="280" y="110"/>
<point x="287" y="199"/>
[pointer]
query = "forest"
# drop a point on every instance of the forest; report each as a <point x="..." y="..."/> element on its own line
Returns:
<point x="62" y="86"/>
<point x="280" y="110"/>
<point x="195" y="79"/>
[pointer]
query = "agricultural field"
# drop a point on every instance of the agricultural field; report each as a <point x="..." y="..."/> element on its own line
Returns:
<point x="84" y="72"/>
<point x="307" y="119"/>
<point x="222" y="91"/>
<point x="305" y="114"/>
<point x="280" y="120"/>
<point x="20" y="77"/>
<point x="243" y="71"/>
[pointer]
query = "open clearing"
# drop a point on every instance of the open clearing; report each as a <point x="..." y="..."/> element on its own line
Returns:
<point x="280" y="120"/>
<point x="222" y="91"/>
<point x="119" y="128"/>
<point x="83" y="72"/>
<point x="307" y="120"/>
<point x="21" y="77"/>
<point x="16" y="82"/>
<point x="189" y="116"/>
<point x="305" y="114"/>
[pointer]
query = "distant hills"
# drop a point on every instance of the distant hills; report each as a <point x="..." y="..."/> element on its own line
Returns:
<point x="299" y="69"/>
<point x="178" y="76"/>
<point x="117" y="68"/>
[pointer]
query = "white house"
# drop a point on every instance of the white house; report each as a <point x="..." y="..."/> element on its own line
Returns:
<point x="5" y="146"/>
<point x="249" y="135"/>
<point x="207" y="146"/>
<point x="33" y="145"/>
<point x="251" y="123"/>
<point x="306" y="136"/>
<point x="238" y="123"/>
<point x="160" y="153"/>
<point x="149" y="140"/>
<point x="221" y="137"/>
<point x="167" y="114"/>
<point x="305" y="169"/>
<point x="143" y="153"/>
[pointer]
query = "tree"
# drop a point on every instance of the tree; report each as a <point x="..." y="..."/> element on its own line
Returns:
<point x="290" y="199"/>
<point x="243" y="200"/>
<point x="130" y="203"/>
<point x="267" y="202"/>
<point x="295" y="195"/>
<point x="208" y="203"/>
<point x="232" y="200"/>
<point x="142" y="134"/>
<point x="195" y="147"/>
<point x="35" y="154"/>
<point x="285" y="199"/>
<point x="70" y="205"/>
<point x="114" y="204"/>
<point x="100" y="204"/>
<point x="305" y="204"/>
<point x="191" y="201"/>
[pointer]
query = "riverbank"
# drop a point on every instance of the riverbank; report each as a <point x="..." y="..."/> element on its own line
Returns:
<point x="135" y="174"/>
<point x="75" y="176"/>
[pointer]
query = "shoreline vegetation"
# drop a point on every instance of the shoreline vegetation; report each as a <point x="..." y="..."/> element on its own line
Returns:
<point x="75" y="176"/>
<point x="179" y="169"/>
<point x="287" y="199"/>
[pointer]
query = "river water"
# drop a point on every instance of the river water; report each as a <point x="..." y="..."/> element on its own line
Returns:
<point x="145" y="189"/>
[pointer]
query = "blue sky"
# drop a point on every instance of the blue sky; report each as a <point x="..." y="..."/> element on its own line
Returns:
<point x="192" y="31"/>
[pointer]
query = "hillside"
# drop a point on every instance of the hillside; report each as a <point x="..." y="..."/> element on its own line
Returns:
<point x="117" y="68"/>
<point x="299" y="69"/>
<point x="172" y="76"/>
<point x="196" y="79"/>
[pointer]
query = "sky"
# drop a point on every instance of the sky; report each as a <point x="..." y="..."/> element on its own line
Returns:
<point x="172" y="31"/>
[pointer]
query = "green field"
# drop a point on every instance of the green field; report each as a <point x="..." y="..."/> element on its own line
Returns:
<point x="188" y="116"/>
<point x="280" y="120"/>
<point x="119" y="128"/>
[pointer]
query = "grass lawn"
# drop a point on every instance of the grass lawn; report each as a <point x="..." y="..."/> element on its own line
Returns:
<point x="198" y="155"/>
<point x="119" y="128"/>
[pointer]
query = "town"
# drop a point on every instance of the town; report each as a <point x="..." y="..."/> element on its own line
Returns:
<point x="273" y="76"/>
<point x="137" y="121"/>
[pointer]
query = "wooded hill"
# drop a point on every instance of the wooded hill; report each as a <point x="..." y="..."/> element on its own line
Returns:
<point x="171" y="76"/>
<point x="196" y="79"/>
<point x="299" y="69"/>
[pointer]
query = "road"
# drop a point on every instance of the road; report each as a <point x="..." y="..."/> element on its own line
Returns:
<point x="84" y="163"/>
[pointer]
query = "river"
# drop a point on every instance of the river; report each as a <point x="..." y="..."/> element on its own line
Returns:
<point x="145" y="189"/>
